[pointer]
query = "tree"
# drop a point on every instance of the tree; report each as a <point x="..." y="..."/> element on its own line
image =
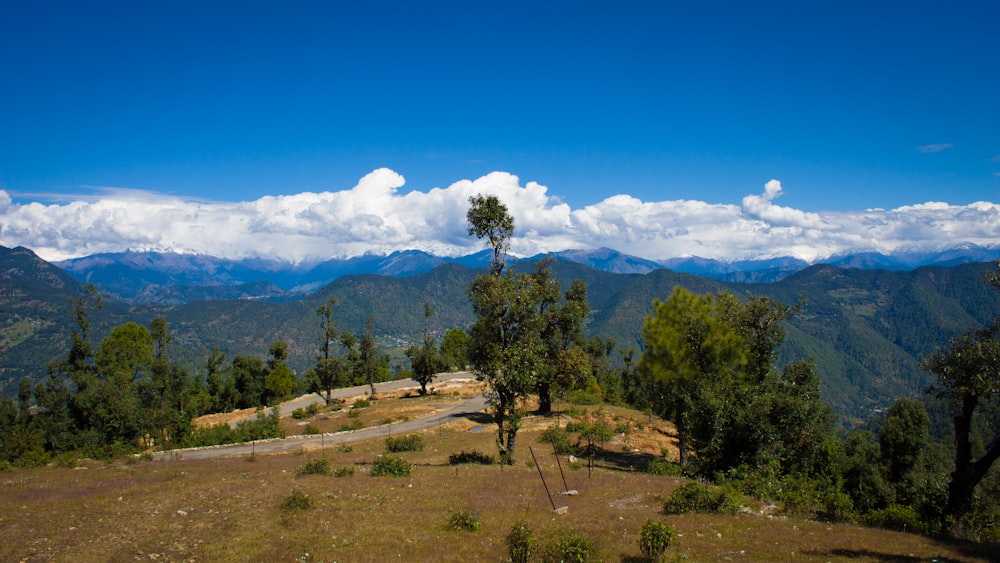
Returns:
<point x="688" y="348"/>
<point x="424" y="359"/>
<point x="455" y="348"/>
<point x="280" y="381"/>
<point x="968" y="372"/>
<point x="326" y="374"/>
<point x="369" y="365"/>
<point x="506" y="346"/>
<point x="903" y="437"/>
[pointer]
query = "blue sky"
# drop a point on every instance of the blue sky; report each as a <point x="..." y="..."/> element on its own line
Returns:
<point x="850" y="105"/>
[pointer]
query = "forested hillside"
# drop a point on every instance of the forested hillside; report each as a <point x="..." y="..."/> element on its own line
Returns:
<point x="866" y="329"/>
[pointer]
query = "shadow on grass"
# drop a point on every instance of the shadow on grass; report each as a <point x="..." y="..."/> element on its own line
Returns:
<point x="987" y="552"/>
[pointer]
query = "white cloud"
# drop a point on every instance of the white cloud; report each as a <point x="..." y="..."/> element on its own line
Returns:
<point x="373" y="217"/>
<point x="937" y="147"/>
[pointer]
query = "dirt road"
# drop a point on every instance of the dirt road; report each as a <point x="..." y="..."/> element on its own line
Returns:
<point x="465" y="408"/>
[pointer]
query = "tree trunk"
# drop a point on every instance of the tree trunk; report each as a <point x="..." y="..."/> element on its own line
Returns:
<point x="544" y="398"/>
<point x="682" y="446"/>
<point x="511" y="437"/>
<point x="961" y="487"/>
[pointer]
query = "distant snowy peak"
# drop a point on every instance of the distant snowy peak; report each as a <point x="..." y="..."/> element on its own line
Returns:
<point x="131" y="275"/>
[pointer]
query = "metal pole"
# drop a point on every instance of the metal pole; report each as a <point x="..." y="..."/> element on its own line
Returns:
<point x="559" y="463"/>
<point x="539" y="468"/>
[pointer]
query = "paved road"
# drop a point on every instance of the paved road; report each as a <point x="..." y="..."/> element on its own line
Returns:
<point x="463" y="409"/>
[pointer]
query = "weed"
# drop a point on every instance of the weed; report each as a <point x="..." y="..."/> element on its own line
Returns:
<point x="410" y="443"/>
<point x="297" y="501"/>
<point x="463" y="520"/>
<point x="390" y="466"/>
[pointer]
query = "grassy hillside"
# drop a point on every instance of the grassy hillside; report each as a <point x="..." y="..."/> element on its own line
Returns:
<point x="237" y="508"/>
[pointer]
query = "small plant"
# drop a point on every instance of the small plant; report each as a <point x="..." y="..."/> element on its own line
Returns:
<point x="474" y="456"/>
<point x="318" y="466"/>
<point x="353" y="413"/>
<point x="895" y="517"/>
<point x="345" y="449"/>
<point x="311" y="430"/>
<point x="390" y="466"/>
<point x="297" y="501"/>
<point x="346" y="471"/>
<point x="567" y="545"/>
<point x="519" y="542"/>
<point x="463" y="520"/>
<point x="361" y="403"/>
<point x="654" y="538"/>
<point x="311" y="410"/>
<point x="410" y="443"/>
<point x="353" y="425"/>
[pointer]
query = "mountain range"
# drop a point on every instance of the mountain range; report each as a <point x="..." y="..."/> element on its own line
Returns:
<point x="865" y="329"/>
<point x="173" y="278"/>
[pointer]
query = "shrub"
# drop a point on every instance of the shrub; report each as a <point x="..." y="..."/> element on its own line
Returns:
<point x="5" y="466"/>
<point x="353" y="425"/>
<point x="584" y="397"/>
<point x="566" y="545"/>
<point x="346" y="471"/>
<point x="297" y="501"/>
<point x="895" y="517"/>
<point x="411" y="443"/>
<point x="307" y="412"/>
<point x="474" y="456"/>
<point x="390" y="466"/>
<point x="318" y="466"/>
<point x="694" y="497"/>
<point x="463" y="520"/>
<point x="519" y="542"/>
<point x="311" y="430"/>
<point x="654" y="538"/>
<point x="361" y="403"/>
<point x="558" y="438"/>
<point x="660" y="466"/>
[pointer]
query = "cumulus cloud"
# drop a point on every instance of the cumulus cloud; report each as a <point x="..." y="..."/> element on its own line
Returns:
<point x="373" y="217"/>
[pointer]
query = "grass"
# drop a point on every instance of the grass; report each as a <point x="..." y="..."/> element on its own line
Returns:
<point x="229" y="509"/>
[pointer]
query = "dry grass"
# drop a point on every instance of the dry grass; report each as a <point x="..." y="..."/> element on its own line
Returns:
<point x="231" y="509"/>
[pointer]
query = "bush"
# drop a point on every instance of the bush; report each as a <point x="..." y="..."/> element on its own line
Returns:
<point x="584" y="397"/>
<point x="361" y="403"/>
<point x="353" y="425"/>
<point x="262" y="427"/>
<point x="5" y="466"/>
<point x="297" y="501"/>
<point x="660" y="466"/>
<point x="346" y="471"/>
<point x="311" y="430"/>
<point x="318" y="466"/>
<point x="654" y="538"/>
<point x="519" y="542"/>
<point x="411" y="443"/>
<point x="559" y="439"/>
<point x="566" y="545"/>
<point x="895" y="517"/>
<point x="694" y="497"/>
<point x="390" y="466"/>
<point x="307" y="412"/>
<point x="463" y="520"/>
<point x="474" y="456"/>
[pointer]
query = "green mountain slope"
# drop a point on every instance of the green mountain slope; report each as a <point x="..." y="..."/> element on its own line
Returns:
<point x="865" y="329"/>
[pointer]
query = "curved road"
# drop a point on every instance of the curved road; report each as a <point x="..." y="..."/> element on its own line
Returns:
<point x="277" y="445"/>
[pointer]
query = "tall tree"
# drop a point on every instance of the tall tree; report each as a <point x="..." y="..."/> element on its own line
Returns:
<point x="424" y="359"/>
<point x="455" y="348"/>
<point x="968" y="372"/>
<point x="280" y="381"/>
<point x="506" y="347"/>
<point x="369" y="362"/>
<point x="325" y="375"/>
<point x="688" y="348"/>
